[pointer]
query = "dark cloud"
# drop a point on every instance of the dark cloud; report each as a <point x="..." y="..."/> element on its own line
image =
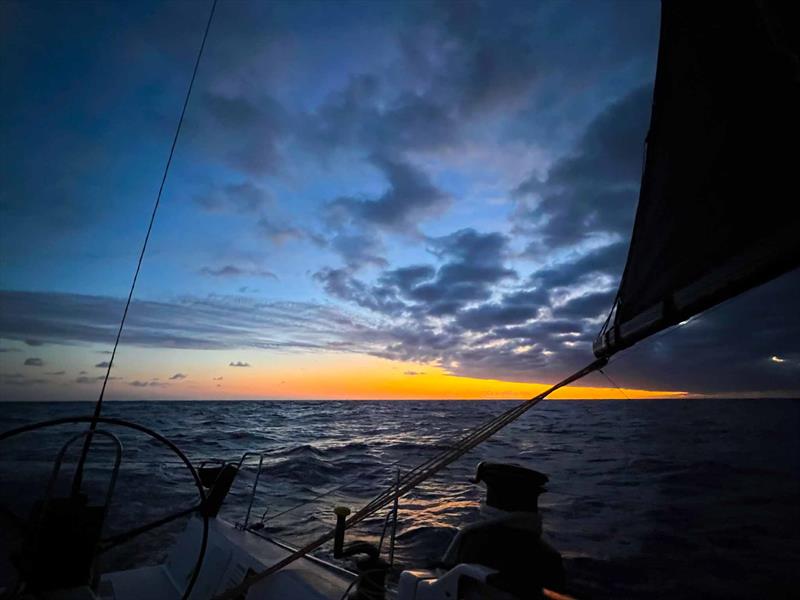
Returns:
<point x="249" y="199"/>
<point x="214" y="322"/>
<point x="413" y="373"/>
<point x="358" y="248"/>
<point x="359" y="115"/>
<point x="244" y="198"/>
<point x="591" y="305"/>
<point x="496" y="314"/>
<point x="149" y="383"/>
<point x="356" y="225"/>
<point x="234" y="271"/>
<point x="238" y="363"/>
<point x="57" y="373"/>
<point x="247" y="130"/>
<point x="278" y="233"/>
<point x="512" y="335"/>
<point x="87" y="379"/>
<point x="473" y="265"/>
<point x="177" y="377"/>
<point x="541" y="330"/>
<point x="341" y="284"/>
<point x="603" y="262"/>
<point x="405" y="279"/>
<point x="488" y="62"/>
<point x="420" y="343"/>
<point x="470" y="246"/>
<point x="410" y="196"/>
<point x="34" y="362"/>
<point x="102" y="365"/>
<point x="18" y="379"/>
<point x="592" y="192"/>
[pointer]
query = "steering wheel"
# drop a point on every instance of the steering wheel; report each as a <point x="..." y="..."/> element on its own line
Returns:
<point x="132" y="533"/>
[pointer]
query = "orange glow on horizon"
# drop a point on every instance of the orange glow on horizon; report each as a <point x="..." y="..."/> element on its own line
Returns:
<point x="358" y="377"/>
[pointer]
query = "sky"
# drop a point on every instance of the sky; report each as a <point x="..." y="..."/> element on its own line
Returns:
<point x="367" y="200"/>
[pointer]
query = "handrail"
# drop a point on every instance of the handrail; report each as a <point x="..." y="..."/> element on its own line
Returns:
<point x="115" y="471"/>
<point x="58" y="462"/>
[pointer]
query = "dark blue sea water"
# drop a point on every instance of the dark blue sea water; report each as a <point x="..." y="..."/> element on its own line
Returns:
<point x="647" y="499"/>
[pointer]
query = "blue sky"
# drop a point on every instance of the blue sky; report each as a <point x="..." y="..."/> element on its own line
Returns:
<point x="446" y="184"/>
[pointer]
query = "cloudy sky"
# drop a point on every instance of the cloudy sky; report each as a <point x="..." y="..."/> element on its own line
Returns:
<point x="368" y="200"/>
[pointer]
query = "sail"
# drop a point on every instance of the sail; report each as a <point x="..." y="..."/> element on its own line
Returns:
<point x="719" y="205"/>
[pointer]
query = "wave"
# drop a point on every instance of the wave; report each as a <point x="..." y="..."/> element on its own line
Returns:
<point x="628" y="485"/>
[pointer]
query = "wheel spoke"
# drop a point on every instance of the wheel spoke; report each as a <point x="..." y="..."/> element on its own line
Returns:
<point x="120" y="538"/>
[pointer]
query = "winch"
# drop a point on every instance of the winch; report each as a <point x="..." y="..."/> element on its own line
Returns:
<point x="502" y="555"/>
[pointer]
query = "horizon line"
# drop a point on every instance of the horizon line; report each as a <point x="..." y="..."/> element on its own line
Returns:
<point x="681" y="397"/>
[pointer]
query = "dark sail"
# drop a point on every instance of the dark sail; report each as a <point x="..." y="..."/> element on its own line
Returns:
<point x="719" y="206"/>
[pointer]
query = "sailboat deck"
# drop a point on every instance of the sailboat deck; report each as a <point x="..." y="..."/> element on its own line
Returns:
<point x="232" y="554"/>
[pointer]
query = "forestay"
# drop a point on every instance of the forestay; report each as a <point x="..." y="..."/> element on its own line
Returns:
<point x="719" y="206"/>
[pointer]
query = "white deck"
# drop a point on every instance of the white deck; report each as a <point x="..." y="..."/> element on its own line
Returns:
<point x="230" y="556"/>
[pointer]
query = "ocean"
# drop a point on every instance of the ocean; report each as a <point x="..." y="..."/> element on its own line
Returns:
<point x="647" y="498"/>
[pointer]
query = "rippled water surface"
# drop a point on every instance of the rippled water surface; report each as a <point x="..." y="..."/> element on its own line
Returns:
<point x="647" y="499"/>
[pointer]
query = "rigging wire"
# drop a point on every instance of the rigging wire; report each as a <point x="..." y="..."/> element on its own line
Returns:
<point x="614" y="383"/>
<point x="76" y="483"/>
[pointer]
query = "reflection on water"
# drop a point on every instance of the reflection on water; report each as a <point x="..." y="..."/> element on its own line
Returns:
<point x="647" y="499"/>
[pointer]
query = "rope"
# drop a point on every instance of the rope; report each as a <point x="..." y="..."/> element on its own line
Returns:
<point x="614" y="383"/>
<point x="385" y="529"/>
<point x="413" y="478"/>
<point x="76" y="483"/>
<point x="392" y="514"/>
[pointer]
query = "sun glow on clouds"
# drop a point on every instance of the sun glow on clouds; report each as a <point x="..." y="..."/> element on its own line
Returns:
<point x="150" y="374"/>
